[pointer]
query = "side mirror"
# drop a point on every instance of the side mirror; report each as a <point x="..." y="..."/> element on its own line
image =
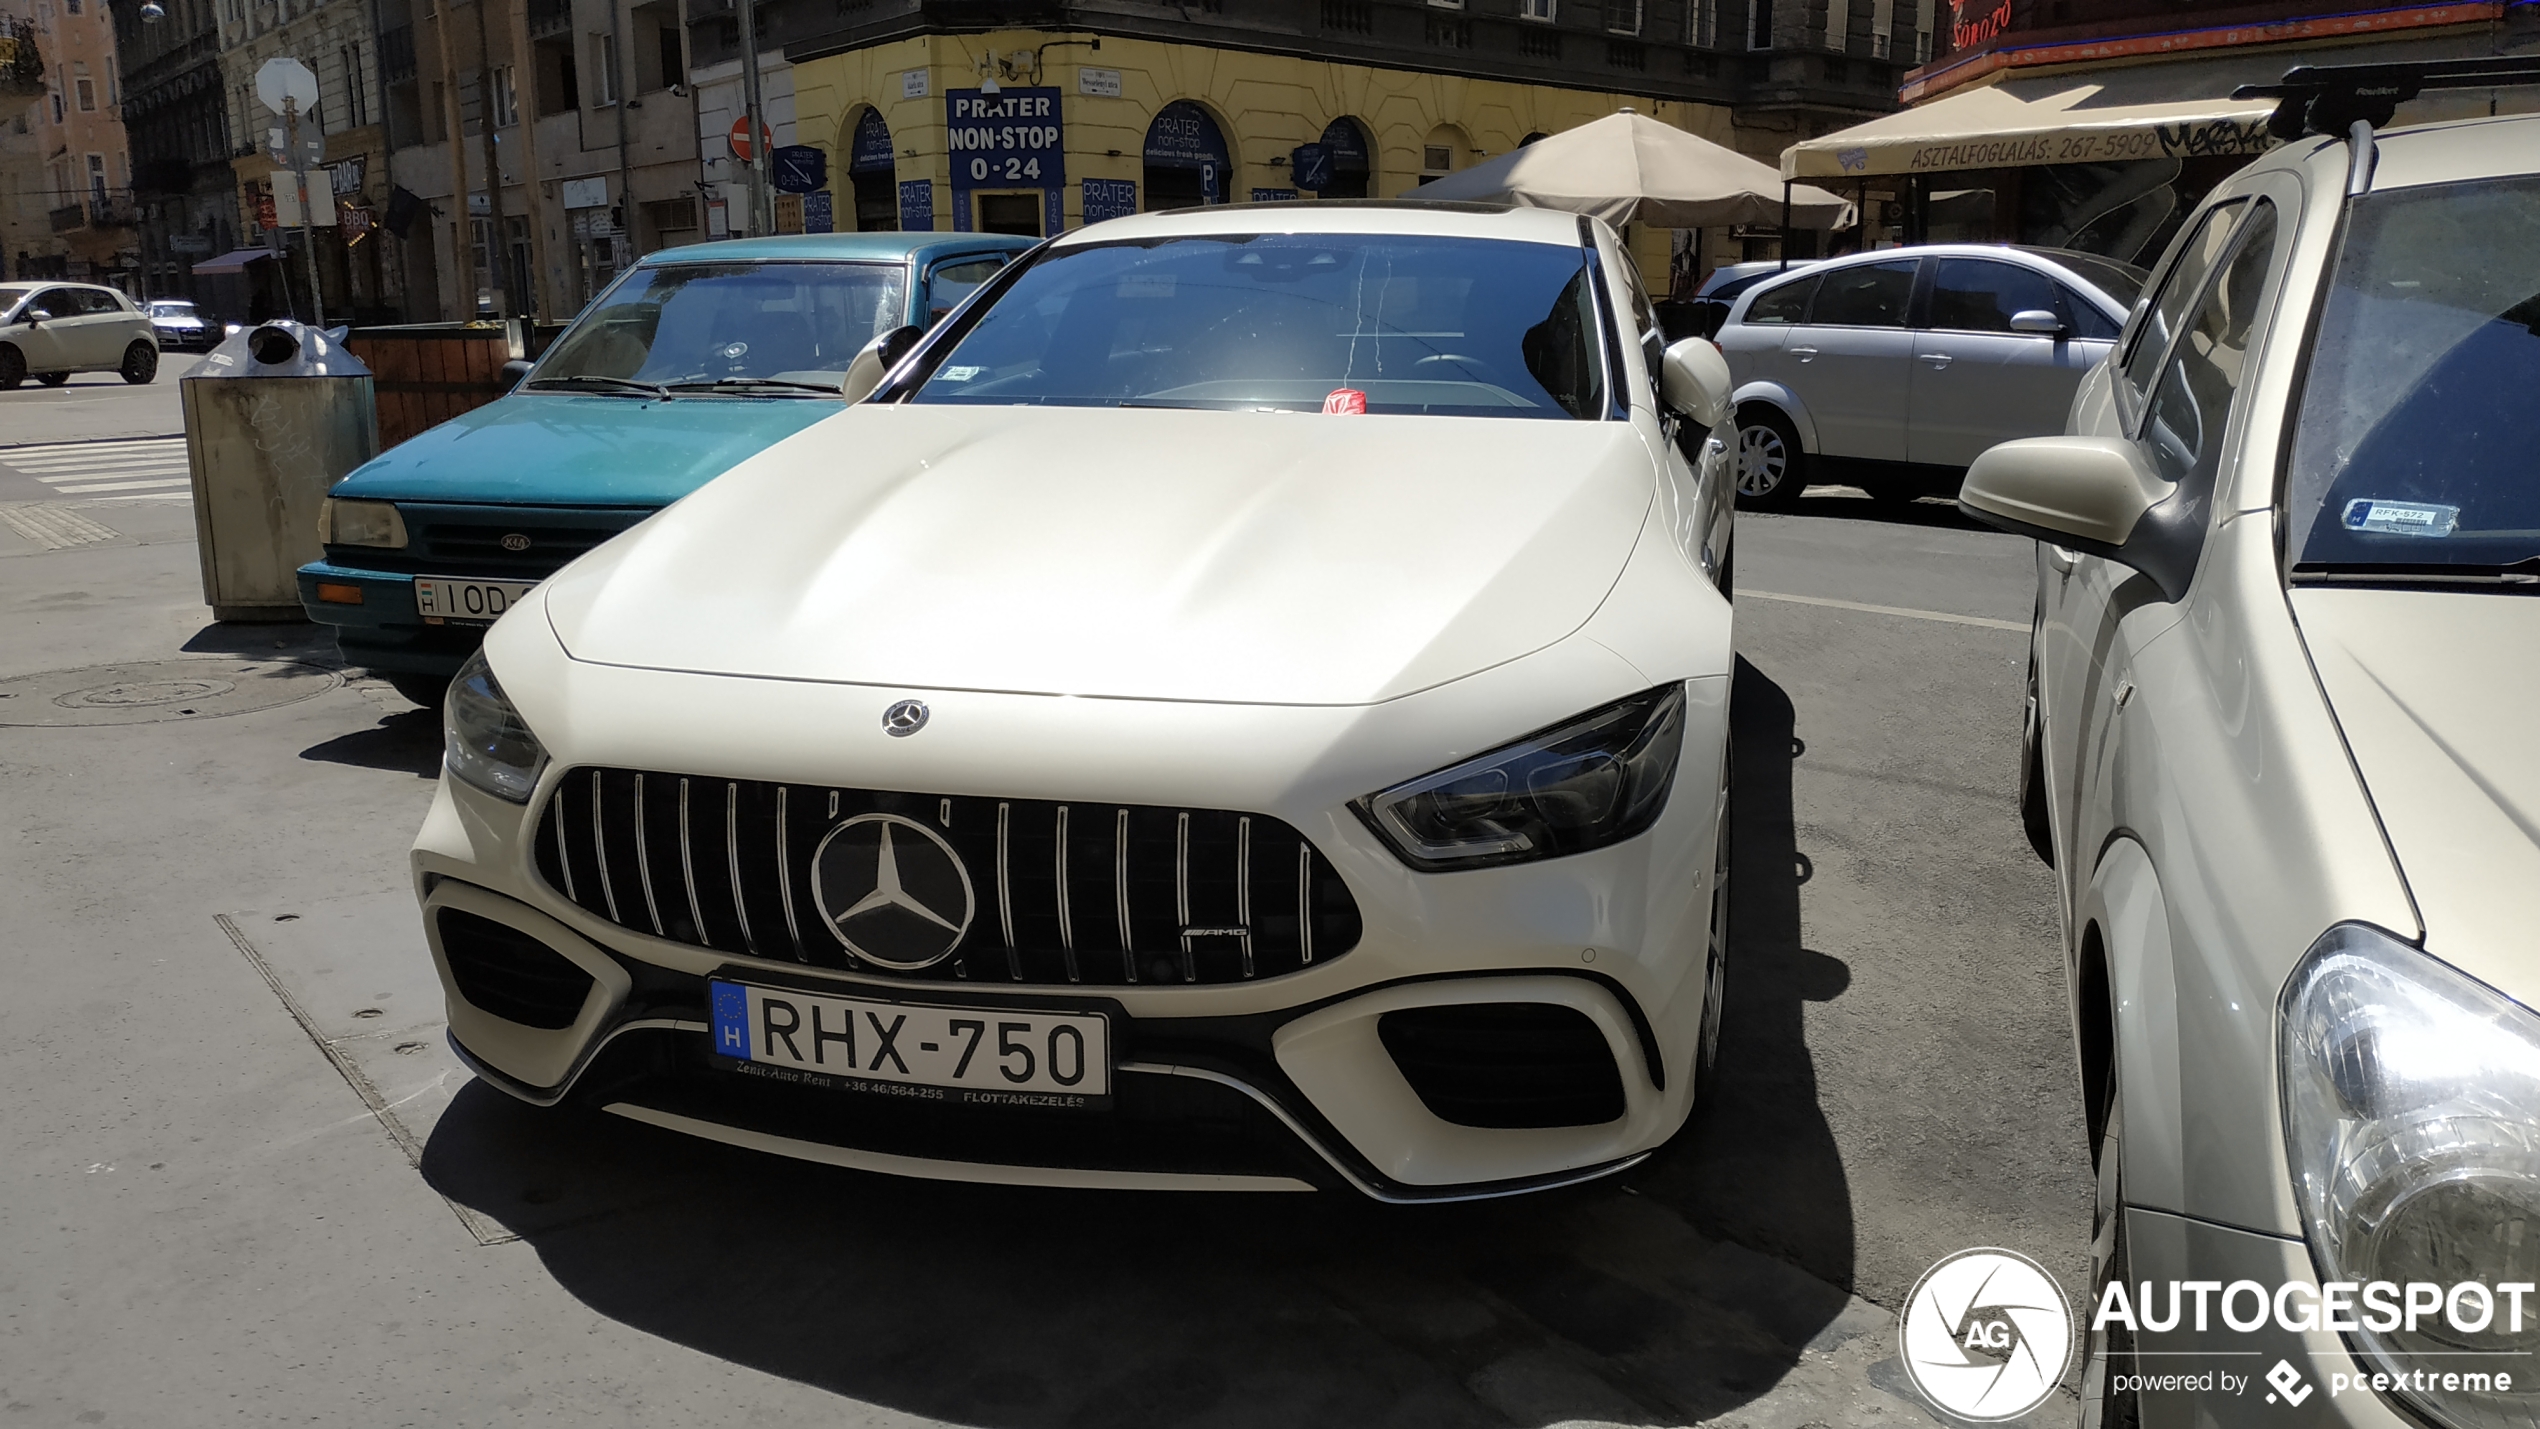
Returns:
<point x="515" y="370"/>
<point x="2037" y="320"/>
<point x="2096" y="495"/>
<point x="876" y="361"/>
<point x="36" y="317"/>
<point x="1693" y="379"/>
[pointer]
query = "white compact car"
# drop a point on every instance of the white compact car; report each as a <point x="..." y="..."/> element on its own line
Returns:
<point x="1242" y="705"/>
<point x="2281" y="756"/>
<point x="51" y="330"/>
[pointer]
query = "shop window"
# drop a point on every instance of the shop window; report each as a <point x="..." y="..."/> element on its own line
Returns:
<point x="1018" y="214"/>
<point x="1187" y="161"/>
<point x="1347" y="139"/>
<point x="872" y="173"/>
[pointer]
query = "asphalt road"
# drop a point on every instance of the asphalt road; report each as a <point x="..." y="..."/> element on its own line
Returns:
<point x="243" y="1184"/>
<point x="96" y="405"/>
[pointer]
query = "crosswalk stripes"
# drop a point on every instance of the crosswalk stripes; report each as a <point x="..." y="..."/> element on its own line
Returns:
<point x="153" y="466"/>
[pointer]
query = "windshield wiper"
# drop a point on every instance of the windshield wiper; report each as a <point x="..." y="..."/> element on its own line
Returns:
<point x="2524" y="572"/>
<point x="753" y="384"/>
<point x="626" y="385"/>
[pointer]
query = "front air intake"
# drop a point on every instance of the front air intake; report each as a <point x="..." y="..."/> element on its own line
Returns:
<point x="1505" y="1065"/>
<point x="504" y="971"/>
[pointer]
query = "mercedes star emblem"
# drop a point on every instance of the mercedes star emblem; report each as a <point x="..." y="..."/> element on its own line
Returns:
<point x="515" y="542"/>
<point x="904" y="719"/>
<point x="893" y="891"/>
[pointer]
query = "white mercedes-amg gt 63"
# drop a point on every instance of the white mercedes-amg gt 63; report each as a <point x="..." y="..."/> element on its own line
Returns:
<point x="1242" y="704"/>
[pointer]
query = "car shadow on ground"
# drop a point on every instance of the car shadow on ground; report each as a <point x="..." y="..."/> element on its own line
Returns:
<point x="1640" y="1299"/>
<point x="408" y="741"/>
<point x="299" y="640"/>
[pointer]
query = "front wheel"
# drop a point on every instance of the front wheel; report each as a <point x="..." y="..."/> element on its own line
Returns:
<point x="1771" y="469"/>
<point x="1706" y="1056"/>
<point x="426" y="690"/>
<point x="52" y="379"/>
<point x="140" y="363"/>
<point x="2106" y="1402"/>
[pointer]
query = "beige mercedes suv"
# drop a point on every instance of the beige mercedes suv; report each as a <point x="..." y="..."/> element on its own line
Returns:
<point x="2282" y="755"/>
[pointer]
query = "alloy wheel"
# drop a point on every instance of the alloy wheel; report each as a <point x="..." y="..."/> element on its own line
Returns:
<point x="1763" y="460"/>
<point x="140" y="363"/>
<point x="1716" y="955"/>
<point x="2110" y="1351"/>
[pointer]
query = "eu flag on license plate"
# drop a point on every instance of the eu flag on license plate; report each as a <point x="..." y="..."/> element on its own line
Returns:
<point x="731" y="1019"/>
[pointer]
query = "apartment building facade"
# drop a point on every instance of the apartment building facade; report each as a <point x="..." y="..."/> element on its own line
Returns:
<point x="65" y="167"/>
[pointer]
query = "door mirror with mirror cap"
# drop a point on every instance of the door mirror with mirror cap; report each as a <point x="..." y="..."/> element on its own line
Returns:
<point x="36" y="316"/>
<point x="2096" y="495"/>
<point x="2037" y="320"/>
<point x="876" y="361"/>
<point x="1693" y="380"/>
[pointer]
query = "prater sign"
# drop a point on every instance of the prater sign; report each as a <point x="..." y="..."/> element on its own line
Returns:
<point x="1004" y="143"/>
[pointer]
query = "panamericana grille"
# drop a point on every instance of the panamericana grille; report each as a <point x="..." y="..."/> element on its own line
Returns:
<point x="1087" y="893"/>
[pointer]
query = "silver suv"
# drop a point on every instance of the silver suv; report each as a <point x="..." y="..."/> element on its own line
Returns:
<point x="2280" y="754"/>
<point x="1892" y="369"/>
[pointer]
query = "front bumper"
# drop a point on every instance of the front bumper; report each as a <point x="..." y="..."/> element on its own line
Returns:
<point x="2194" y="1373"/>
<point x="1281" y="1082"/>
<point x="383" y="632"/>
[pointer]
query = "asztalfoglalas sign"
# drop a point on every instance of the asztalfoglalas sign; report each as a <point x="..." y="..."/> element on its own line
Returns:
<point x="1002" y="143"/>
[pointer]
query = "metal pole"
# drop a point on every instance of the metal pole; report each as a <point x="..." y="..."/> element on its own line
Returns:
<point x="497" y="242"/>
<point x="1785" y="226"/>
<point x="759" y="222"/>
<point x="308" y="230"/>
<point x="461" y="303"/>
<point x="533" y="181"/>
<point x="625" y="165"/>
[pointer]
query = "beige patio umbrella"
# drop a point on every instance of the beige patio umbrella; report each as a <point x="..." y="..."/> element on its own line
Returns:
<point x="1629" y="168"/>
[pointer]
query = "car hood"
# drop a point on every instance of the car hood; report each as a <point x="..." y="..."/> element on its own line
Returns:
<point x="2434" y="692"/>
<point x="1227" y="556"/>
<point x="567" y="449"/>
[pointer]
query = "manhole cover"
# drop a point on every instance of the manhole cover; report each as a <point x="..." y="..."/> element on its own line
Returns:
<point x="155" y="690"/>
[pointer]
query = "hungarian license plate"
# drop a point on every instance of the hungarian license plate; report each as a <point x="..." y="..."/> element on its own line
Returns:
<point x="975" y="1055"/>
<point x="451" y="598"/>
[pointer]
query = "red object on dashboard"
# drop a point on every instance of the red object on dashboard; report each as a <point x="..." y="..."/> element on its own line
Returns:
<point x="1345" y="402"/>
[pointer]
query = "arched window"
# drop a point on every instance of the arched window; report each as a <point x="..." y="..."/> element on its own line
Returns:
<point x="1186" y="159"/>
<point x="871" y="171"/>
<point x="1352" y="170"/>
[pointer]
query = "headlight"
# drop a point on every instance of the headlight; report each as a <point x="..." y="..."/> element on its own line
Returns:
<point x="2412" y="1118"/>
<point x="490" y="745"/>
<point x="1582" y="784"/>
<point x="361" y="523"/>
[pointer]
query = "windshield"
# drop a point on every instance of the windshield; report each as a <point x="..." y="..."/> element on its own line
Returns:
<point x="2121" y="281"/>
<point x="1294" y="322"/>
<point x="2419" y="439"/>
<point x="168" y="309"/>
<point x="729" y="324"/>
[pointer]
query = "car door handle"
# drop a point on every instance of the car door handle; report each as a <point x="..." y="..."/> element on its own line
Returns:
<point x="1803" y="353"/>
<point x="1938" y="360"/>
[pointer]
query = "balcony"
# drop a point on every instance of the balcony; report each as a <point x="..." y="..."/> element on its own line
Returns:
<point x="112" y="211"/>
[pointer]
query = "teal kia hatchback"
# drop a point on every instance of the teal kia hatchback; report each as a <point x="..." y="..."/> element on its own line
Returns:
<point x="694" y="359"/>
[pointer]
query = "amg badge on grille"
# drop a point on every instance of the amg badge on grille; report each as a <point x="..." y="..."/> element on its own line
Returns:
<point x="904" y="719"/>
<point x="893" y="891"/>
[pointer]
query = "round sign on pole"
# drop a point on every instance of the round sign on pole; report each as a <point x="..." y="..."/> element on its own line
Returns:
<point x="742" y="148"/>
<point x="284" y="82"/>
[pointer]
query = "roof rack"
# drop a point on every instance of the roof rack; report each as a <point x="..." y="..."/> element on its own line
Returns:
<point x="2332" y="99"/>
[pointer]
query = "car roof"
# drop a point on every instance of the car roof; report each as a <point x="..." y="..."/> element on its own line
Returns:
<point x="1426" y="220"/>
<point x="2415" y="155"/>
<point x="839" y="247"/>
<point x="2026" y="255"/>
